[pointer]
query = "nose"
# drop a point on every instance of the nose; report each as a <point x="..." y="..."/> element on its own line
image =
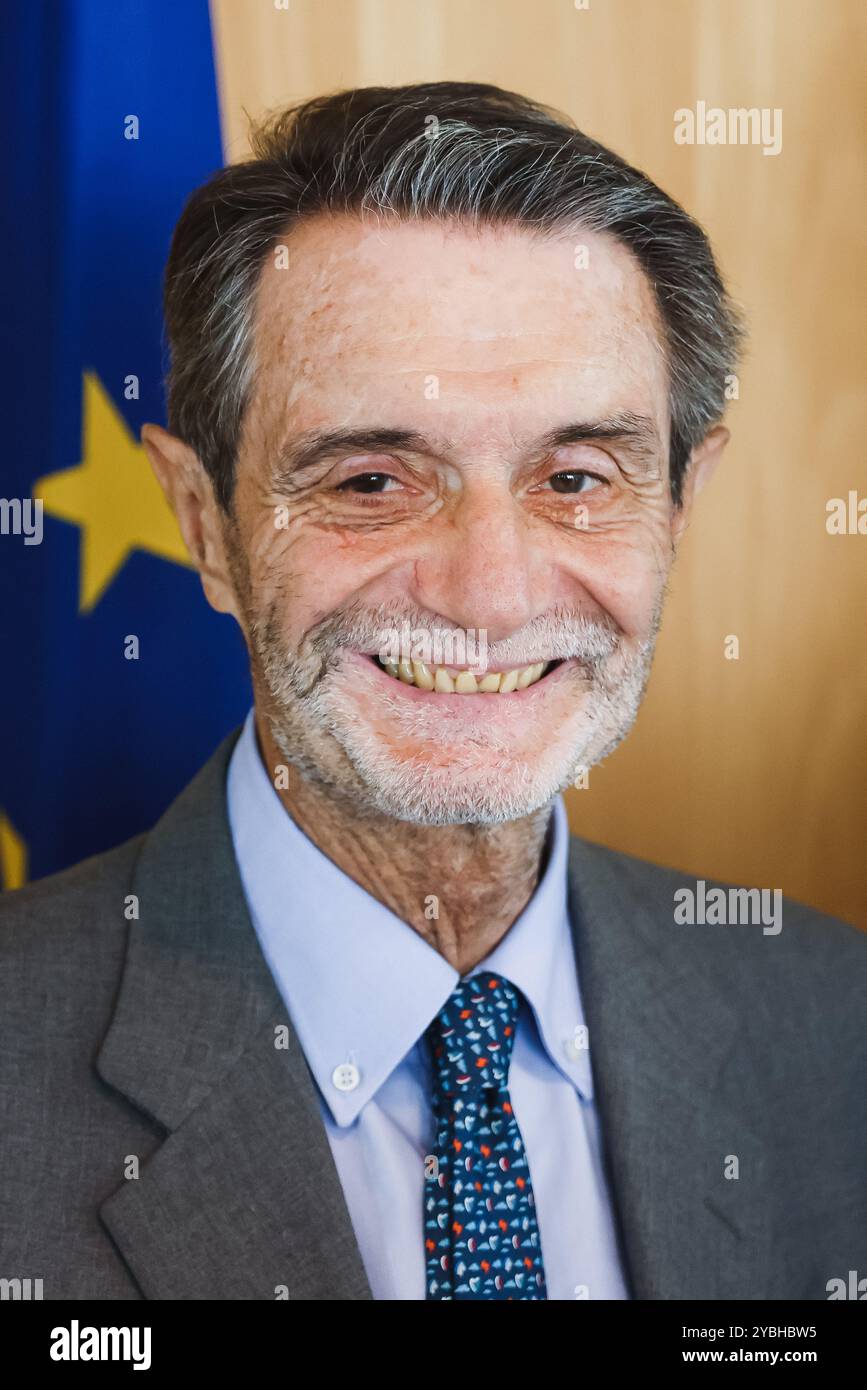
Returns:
<point x="485" y="567"/>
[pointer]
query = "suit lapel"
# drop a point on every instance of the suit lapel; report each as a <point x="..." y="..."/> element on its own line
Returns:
<point x="659" y="1034"/>
<point x="242" y="1198"/>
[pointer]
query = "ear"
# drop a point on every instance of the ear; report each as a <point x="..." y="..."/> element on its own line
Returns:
<point x="702" y="463"/>
<point x="191" y="497"/>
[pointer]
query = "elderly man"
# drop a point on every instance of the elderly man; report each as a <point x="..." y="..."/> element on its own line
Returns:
<point x="358" y="1019"/>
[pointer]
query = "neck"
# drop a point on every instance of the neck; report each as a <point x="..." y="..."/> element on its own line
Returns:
<point x="459" y="886"/>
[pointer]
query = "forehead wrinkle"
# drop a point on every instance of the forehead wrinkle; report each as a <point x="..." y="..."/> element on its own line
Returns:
<point x="316" y="335"/>
<point x="335" y="312"/>
<point x="572" y="362"/>
<point x="450" y="356"/>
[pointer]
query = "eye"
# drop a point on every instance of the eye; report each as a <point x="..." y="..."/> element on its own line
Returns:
<point x="366" y="482"/>
<point x="573" y="480"/>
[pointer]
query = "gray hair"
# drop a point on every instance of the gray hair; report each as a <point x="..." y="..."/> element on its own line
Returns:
<point x="446" y="150"/>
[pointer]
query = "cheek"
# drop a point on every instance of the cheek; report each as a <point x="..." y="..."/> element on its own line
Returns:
<point x="624" y="570"/>
<point x="308" y="573"/>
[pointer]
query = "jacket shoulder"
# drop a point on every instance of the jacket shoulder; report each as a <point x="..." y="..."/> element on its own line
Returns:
<point x="68" y="927"/>
<point x="797" y="989"/>
<point x="806" y="934"/>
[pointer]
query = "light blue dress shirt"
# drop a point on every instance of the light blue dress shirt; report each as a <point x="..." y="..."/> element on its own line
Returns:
<point x="360" y="987"/>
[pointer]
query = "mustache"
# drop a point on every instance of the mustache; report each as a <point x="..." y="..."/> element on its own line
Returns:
<point x="559" y="635"/>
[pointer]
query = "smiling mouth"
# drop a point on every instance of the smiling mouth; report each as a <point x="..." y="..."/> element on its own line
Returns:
<point x="451" y="680"/>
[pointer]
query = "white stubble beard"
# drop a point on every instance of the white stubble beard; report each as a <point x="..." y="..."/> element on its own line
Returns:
<point x="315" y="724"/>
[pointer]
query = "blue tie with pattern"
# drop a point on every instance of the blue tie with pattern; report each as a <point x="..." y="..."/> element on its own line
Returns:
<point x="481" y="1235"/>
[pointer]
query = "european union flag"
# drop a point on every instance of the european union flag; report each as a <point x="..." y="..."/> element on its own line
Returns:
<point x="118" y="679"/>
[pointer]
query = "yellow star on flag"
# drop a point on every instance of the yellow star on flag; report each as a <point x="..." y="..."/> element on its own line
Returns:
<point x="13" y="855"/>
<point x="113" y="496"/>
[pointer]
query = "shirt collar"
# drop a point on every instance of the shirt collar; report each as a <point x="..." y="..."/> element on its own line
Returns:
<point x="359" y="984"/>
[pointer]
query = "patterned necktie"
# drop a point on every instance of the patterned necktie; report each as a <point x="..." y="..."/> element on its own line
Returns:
<point x="481" y="1235"/>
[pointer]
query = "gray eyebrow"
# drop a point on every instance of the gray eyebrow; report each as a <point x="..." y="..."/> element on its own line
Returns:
<point x="637" y="432"/>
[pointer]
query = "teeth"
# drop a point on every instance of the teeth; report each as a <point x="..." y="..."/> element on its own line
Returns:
<point x="423" y="677"/>
<point x="448" y="681"/>
<point x="490" y="682"/>
<point x="465" y="684"/>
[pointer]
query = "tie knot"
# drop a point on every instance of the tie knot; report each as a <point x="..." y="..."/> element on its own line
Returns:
<point x="472" y="1036"/>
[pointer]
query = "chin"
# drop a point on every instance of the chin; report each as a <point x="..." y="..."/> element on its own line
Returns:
<point x="465" y="784"/>
<point x="456" y="800"/>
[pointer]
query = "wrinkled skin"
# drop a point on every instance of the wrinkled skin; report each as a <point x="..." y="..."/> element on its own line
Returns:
<point x="479" y="344"/>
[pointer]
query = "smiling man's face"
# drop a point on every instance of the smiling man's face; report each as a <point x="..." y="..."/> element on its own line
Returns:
<point x="462" y="431"/>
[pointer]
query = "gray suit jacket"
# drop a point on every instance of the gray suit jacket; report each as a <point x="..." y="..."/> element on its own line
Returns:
<point x="154" y="1040"/>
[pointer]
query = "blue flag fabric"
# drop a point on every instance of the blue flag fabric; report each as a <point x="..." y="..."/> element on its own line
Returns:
<point x="117" y="678"/>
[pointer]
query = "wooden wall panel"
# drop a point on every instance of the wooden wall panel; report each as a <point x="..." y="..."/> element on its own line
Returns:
<point x="752" y="770"/>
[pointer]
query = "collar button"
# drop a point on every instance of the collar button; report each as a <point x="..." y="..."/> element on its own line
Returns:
<point x="346" y="1077"/>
